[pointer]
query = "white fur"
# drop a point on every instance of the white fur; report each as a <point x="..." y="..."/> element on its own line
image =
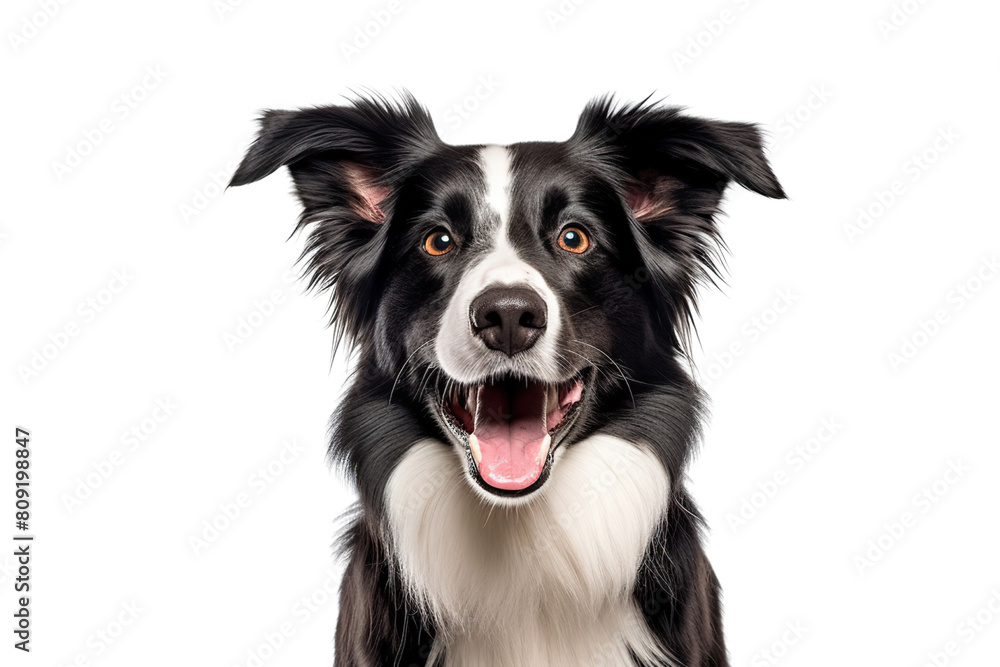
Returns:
<point x="495" y="161"/>
<point x="459" y="352"/>
<point x="546" y="583"/>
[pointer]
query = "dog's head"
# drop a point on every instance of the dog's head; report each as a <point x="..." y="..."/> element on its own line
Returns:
<point x="516" y="296"/>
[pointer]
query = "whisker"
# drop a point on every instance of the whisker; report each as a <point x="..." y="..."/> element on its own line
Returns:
<point x="598" y="369"/>
<point x="620" y="371"/>
<point x="585" y="310"/>
<point x="423" y="379"/>
<point x="403" y="368"/>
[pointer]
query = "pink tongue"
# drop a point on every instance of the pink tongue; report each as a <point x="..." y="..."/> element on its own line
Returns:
<point x="510" y="426"/>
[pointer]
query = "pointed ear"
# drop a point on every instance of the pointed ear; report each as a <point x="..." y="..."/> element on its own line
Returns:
<point x="671" y="172"/>
<point x="350" y="147"/>
<point x="668" y="156"/>
<point x="347" y="163"/>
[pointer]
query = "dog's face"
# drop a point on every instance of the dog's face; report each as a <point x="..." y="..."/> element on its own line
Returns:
<point x="505" y="262"/>
<point x="516" y="296"/>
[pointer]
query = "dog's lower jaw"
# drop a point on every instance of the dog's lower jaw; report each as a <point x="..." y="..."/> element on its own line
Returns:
<point x="549" y="583"/>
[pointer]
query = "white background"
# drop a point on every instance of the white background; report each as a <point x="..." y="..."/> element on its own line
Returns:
<point x="849" y="101"/>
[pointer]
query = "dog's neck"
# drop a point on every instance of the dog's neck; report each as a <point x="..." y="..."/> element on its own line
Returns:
<point x="545" y="582"/>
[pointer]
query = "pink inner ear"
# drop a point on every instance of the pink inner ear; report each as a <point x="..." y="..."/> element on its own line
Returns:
<point x="640" y="202"/>
<point x="364" y="182"/>
<point x="652" y="195"/>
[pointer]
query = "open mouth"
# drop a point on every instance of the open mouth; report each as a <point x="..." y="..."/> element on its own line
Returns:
<point x="510" y="428"/>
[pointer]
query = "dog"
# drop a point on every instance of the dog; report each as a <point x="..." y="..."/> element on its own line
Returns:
<point x="522" y="411"/>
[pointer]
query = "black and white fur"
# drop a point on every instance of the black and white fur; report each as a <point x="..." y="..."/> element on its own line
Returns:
<point x="599" y="562"/>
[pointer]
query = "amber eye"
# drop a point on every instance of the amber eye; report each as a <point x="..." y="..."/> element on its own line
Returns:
<point x="439" y="242"/>
<point x="573" y="239"/>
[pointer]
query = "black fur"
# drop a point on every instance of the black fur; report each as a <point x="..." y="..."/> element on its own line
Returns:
<point x="646" y="181"/>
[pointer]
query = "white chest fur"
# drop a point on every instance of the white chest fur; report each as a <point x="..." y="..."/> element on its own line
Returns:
<point x="546" y="583"/>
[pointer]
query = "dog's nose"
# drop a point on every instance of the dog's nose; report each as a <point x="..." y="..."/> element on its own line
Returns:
<point x="508" y="319"/>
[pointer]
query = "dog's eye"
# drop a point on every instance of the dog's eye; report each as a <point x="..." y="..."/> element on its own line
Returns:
<point x="439" y="242"/>
<point x="573" y="239"/>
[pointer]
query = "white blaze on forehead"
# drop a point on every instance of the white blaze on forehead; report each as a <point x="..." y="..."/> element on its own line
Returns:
<point x="502" y="266"/>
<point x="495" y="161"/>
<point x="461" y="355"/>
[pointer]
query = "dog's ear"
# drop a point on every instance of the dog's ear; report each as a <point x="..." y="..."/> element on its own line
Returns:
<point x="347" y="163"/>
<point x="326" y="164"/>
<point x="672" y="170"/>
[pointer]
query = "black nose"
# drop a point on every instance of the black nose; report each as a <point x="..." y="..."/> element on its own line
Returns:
<point x="508" y="319"/>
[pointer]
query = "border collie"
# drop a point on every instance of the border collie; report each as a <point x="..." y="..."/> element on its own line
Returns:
<point x="521" y="414"/>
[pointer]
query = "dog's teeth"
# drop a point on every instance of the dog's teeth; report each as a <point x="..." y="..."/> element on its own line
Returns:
<point x="546" y="443"/>
<point x="474" y="446"/>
